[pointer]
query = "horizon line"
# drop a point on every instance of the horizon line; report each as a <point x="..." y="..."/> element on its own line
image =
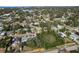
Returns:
<point x="33" y="6"/>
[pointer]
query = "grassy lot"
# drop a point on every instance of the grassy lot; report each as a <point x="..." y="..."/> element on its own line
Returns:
<point x="46" y="40"/>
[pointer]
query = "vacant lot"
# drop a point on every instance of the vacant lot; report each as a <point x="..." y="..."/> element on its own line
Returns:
<point x="46" y="40"/>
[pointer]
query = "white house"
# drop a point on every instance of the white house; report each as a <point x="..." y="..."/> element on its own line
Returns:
<point x="60" y="27"/>
<point x="6" y="14"/>
<point x="54" y="28"/>
<point x="62" y="34"/>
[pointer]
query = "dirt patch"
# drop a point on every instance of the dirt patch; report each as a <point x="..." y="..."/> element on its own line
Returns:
<point x="2" y="50"/>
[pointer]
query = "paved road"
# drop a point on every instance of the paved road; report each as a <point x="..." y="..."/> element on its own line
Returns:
<point x="70" y="46"/>
<point x="68" y="49"/>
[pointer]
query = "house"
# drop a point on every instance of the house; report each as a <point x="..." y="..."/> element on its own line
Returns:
<point x="3" y="33"/>
<point x="17" y="16"/>
<point x="6" y="14"/>
<point x="60" y="27"/>
<point x="36" y="29"/>
<point x="63" y="20"/>
<point x="74" y="36"/>
<point x="8" y="19"/>
<point x="28" y="36"/>
<point x="36" y="23"/>
<point x="57" y="19"/>
<point x="27" y="10"/>
<point x="31" y="34"/>
<point x="62" y="34"/>
<point x="24" y="39"/>
<point x="54" y="28"/>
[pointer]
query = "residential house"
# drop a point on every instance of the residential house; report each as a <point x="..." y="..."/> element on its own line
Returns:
<point x="74" y="37"/>
<point x="62" y="34"/>
<point x="31" y="34"/>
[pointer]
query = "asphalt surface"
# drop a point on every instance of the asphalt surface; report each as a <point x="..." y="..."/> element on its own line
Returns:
<point x="67" y="48"/>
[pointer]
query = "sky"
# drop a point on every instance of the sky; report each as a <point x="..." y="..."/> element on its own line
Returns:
<point x="39" y="3"/>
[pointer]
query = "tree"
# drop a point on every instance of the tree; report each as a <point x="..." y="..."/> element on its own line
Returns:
<point x="29" y="29"/>
<point x="74" y="20"/>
